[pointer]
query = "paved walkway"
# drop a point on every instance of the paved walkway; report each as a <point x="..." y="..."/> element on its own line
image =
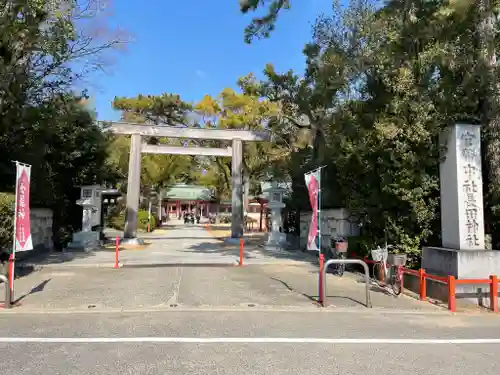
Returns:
<point x="184" y="267"/>
<point x="197" y="287"/>
<point x="176" y="244"/>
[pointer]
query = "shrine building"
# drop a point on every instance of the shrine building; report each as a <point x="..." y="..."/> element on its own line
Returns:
<point x="181" y="198"/>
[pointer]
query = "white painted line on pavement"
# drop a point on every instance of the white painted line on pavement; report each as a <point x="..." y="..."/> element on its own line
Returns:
<point x="239" y="340"/>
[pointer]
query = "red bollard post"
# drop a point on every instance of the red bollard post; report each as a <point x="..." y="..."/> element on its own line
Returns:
<point x="242" y="246"/>
<point x="321" y="297"/>
<point x="117" y="250"/>
<point x="494" y="293"/>
<point x="402" y="276"/>
<point x="12" y="261"/>
<point x="452" y="300"/>
<point x="423" y="285"/>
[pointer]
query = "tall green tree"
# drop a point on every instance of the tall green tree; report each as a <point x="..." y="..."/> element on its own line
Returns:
<point x="233" y="110"/>
<point x="157" y="170"/>
<point x="381" y="78"/>
<point x="165" y="109"/>
<point x="45" y="49"/>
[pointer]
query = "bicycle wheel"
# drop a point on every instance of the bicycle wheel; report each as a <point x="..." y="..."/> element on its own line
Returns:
<point x="340" y="269"/>
<point x="396" y="283"/>
<point x="377" y="271"/>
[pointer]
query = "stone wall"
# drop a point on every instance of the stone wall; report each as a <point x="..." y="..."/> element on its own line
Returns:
<point x="41" y="228"/>
<point x="334" y="222"/>
<point x="41" y="235"/>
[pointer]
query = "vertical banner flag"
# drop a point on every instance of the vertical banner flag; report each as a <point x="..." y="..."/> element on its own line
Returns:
<point x="22" y="240"/>
<point x="313" y="186"/>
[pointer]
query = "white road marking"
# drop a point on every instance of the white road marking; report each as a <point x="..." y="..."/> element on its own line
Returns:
<point x="241" y="340"/>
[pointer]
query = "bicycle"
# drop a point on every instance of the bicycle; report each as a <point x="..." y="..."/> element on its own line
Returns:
<point x="338" y="251"/>
<point x="393" y="275"/>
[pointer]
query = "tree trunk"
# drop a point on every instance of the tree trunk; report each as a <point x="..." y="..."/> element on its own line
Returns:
<point x="491" y="120"/>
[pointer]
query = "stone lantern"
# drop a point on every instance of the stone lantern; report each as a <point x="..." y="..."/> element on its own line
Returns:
<point x="274" y="193"/>
<point x="91" y="202"/>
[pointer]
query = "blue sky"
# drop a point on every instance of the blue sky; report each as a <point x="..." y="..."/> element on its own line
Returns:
<point x="196" y="47"/>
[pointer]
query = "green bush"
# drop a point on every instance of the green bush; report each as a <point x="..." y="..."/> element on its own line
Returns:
<point x="142" y="218"/>
<point x="116" y="219"/>
<point x="116" y="216"/>
<point x="359" y="246"/>
<point x="6" y="220"/>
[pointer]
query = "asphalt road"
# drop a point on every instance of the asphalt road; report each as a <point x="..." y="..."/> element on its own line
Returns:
<point x="260" y="319"/>
<point x="177" y="343"/>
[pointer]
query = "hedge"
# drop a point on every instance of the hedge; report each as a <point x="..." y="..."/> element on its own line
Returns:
<point x="6" y="220"/>
<point x="116" y="220"/>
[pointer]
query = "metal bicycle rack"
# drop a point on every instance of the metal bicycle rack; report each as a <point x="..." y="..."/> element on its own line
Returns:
<point x="7" y="291"/>
<point x="348" y="261"/>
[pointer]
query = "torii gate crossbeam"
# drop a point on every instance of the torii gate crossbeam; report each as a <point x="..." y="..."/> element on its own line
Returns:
<point x="179" y="150"/>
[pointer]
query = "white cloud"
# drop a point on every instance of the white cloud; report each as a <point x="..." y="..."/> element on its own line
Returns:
<point x="200" y="73"/>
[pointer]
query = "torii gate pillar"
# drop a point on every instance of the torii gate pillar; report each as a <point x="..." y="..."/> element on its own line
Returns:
<point x="237" y="190"/>
<point x="134" y="181"/>
<point x="133" y="187"/>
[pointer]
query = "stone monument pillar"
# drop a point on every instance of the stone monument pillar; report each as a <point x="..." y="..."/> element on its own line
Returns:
<point x="276" y="239"/>
<point x="463" y="254"/>
<point x="462" y="218"/>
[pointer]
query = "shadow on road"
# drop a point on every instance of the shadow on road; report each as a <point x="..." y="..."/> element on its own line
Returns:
<point x="286" y="285"/>
<point x="26" y="266"/>
<point x="374" y="287"/>
<point x="37" y="289"/>
<point x="251" y="252"/>
<point x="315" y="298"/>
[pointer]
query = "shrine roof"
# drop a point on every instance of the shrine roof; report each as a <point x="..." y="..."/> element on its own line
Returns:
<point x="187" y="192"/>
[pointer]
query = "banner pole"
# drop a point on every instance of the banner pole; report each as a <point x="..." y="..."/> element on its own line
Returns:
<point x="319" y="212"/>
<point x="321" y="256"/>
<point x="12" y="257"/>
<point x="318" y="170"/>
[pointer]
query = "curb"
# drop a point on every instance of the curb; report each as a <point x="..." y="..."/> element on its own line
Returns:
<point x="130" y="265"/>
<point x="227" y="309"/>
<point x="180" y="264"/>
<point x="63" y="265"/>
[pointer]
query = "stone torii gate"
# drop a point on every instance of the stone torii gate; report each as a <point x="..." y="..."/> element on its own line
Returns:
<point x="137" y="131"/>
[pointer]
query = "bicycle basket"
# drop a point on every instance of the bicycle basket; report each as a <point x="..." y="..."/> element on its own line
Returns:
<point x="341" y="247"/>
<point x="397" y="259"/>
<point x="379" y="254"/>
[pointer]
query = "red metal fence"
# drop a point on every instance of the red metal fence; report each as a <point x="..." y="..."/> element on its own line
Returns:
<point x="452" y="282"/>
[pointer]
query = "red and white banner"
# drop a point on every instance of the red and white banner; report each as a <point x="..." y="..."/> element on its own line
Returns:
<point x="313" y="186"/>
<point x="22" y="214"/>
